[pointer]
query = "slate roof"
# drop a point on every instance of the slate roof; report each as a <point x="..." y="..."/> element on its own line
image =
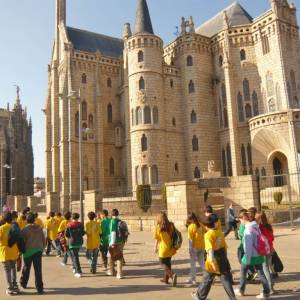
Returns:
<point x="236" y="14"/>
<point x="91" y="42"/>
<point x="143" y="21"/>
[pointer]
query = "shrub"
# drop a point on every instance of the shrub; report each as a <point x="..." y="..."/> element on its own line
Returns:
<point x="144" y="197"/>
<point x="277" y="197"/>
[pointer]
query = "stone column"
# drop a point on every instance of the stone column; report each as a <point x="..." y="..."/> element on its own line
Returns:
<point x="92" y="201"/>
<point x="52" y="202"/>
<point x="20" y="203"/>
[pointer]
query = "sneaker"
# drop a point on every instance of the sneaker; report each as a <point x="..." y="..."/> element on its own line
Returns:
<point x="16" y="289"/>
<point x="63" y="264"/>
<point x="77" y="275"/>
<point x="9" y="292"/>
<point x="109" y="273"/>
<point x="23" y="285"/>
<point x="190" y="281"/>
<point x="74" y="271"/>
<point x="262" y="296"/>
<point x="119" y="276"/>
<point x="238" y="293"/>
<point x="194" y="295"/>
<point x="174" y="281"/>
<point x="41" y="292"/>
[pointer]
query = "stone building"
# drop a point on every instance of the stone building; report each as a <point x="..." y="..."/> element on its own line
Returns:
<point x="226" y="91"/>
<point x="16" y="151"/>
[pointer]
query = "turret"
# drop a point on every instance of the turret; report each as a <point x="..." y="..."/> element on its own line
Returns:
<point x="145" y="78"/>
<point x="60" y="12"/>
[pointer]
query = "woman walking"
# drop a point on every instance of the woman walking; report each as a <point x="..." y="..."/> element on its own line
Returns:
<point x="196" y="233"/>
<point x="163" y="236"/>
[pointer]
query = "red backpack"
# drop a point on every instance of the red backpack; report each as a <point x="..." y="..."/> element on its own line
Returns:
<point x="263" y="248"/>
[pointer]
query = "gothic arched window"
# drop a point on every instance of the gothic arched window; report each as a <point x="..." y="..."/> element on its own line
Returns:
<point x="296" y="102"/>
<point x="83" y="78"/>
<point x="224" y="165"/>
<point x="248" y="111"/>
<point x="240" y="107"/>
<point x="109" y="83"/>
<point x="147" y="115"/>
<point x="220" y="60"/>
<point x="155" y="115"/>
<point x="225" y="116"/>
<point x="77" y="124"/>
<point x="145" y="175"/>
<point x="249" y="155"/>
<point x="255" y="104"/>
<point x="144" y="143"/>
<point x="171" y="83"/>
<point x="84" y="131"/>
<point x="154" y="175"/>
<point x="138" y="116"/>
<point x="193" y="117"/>
<point x="109" y="113"/>
<point x="191" y="87"/>
<point x="197" y="173"/>
<point x="270" y="84"/>
<point x="195" y="144"/>
<point x="91" y="125"/>
<point x="111" y="167"/>
<point x="246" y="89"/>
<point x="290" y="94"/>
<point x="176" y="168"/>
<point x="243" y="55"/>
<point x="174" y="122"/>
<point x="141" y="84"/>
<point x="257" y="172"/>
<point x="189" y="61"/>
<point x="243" y="155"/>
<point x="263" y="172"/>
<point x="220" y="114"/>
<point x="140" y="56"/>
<point x="84" y="110"/>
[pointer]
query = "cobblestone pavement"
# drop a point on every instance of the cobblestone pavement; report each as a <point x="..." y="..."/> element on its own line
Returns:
<point x="142" y="275"/>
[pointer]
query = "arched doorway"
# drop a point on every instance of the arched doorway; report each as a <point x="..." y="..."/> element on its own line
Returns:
<point x="278" y="171"/>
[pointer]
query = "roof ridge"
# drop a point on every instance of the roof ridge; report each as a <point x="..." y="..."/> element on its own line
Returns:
<point x="96" y="33"/>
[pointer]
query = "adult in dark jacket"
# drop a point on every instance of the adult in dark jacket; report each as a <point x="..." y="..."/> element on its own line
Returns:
<point x="35" y="243"/>
<point x="232" y="222"/>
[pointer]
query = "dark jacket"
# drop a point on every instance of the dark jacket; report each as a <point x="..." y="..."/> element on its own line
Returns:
<point x="15" y="237"/>
<point x="34" y="237"/>
<point x="75" y="232"/>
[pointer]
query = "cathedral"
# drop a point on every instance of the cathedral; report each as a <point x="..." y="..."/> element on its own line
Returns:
<point x="16" y="151"/>
<point x="123" y="112"/>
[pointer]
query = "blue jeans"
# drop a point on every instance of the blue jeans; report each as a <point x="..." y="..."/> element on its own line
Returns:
<point x="66" y="255"/>
<point x="92" y="256"/>
<point x="75" y="259"/>
<point x="197" y="256"/>
<point x="262" y="277"/>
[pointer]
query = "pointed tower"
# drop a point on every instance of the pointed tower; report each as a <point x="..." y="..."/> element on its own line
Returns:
<point x="60" y="12"/>
<point x="146" y="86"/>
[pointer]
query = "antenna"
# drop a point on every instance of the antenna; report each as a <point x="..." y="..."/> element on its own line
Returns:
<point x="177" y="33"/>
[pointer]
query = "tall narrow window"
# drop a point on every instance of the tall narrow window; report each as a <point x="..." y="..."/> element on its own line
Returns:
<point x="77" y="124"/>
<point x="91" y="126"/>
<point x="296" y="102"/>
<point x="220" y="114"/>
<point x="229" y="160"/>
<point x="138" y="116"/>
<point x="246" y="89"/>
<point x="84" y="131"/>
<point x="132" y="117"/>
<point x="140" y="56"/>
<point x="189" y="61"/>
<point x="195" y="144"/>
<point x="155" y="115"/>
<point x="249" y="155"/>
<point x="248" y="111"/>
<point x="84" y="110"/>
<point x="174" y="122"/>
<point x="265" y="44"/>
<point x="109" y="83"/>
<point x="271" y="105"/>
<point x="225" y="116"/>
<point x="193" y="117"/>
<point x="147" y="115"/>
<point x="191" y="87"/>
<point x="109" y="113"/>
<point x="257" y="172"/>
<point x="144" y="143"/>
<point x="138" y="175"/>
<point x="83" y="78"/>
<point x="220" y="60"/>
<point x="240" y="107"/>
<point x="243" y="55"/>
<point x="270" y="84"/>
<point x="141" y="84"/>
<point x="176" y="168"/>
<point x="263" y="172"/>
<point x="278" y="96"/>
<point x="243" y="155"/>
<point x="290" y="94"/>
<point x="255" y="104"/>
<point x="197" y="173"/>
<point x="224" y="162"/>
<point x="145" y="175"/>
<point x="224" y="95"/>
<point x="111" y="167"/>
<point x="171" y="83"/>
<point x="154" y="175"/>
<point x="293" y="81"/>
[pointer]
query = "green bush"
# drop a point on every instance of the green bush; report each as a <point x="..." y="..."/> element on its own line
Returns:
<point x="277" y="197"/>
<point x="144" y="197"/>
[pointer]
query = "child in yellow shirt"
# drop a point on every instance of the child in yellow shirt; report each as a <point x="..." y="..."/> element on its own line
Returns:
<point x="196" y="233"/>
<point x="52" y="234"/>
<point x="9" y="256"/>
<point x="93" y="232"/>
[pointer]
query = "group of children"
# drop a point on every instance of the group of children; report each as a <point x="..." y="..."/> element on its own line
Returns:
<point x="65" y="234"/>
<point x="208" y="248"/>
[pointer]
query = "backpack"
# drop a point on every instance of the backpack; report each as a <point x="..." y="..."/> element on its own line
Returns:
<point x="15" y="237"/>
<point x="176" y="239"/>
<point x="262" y="247"/>
<point x="122" y="231"/>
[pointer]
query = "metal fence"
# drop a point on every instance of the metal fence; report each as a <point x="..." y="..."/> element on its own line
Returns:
<point x="280" y="196"/>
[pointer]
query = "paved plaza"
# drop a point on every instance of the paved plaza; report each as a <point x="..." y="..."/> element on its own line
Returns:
<point x="142" y="274"/>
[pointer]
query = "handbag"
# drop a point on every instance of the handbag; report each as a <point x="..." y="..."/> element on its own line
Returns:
<point x="115" y="253"/>
<point x="19" y="264"/>
<point x="277" y="263"/>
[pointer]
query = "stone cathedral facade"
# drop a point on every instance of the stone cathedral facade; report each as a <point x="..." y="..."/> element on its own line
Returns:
<point x="227" y="91"/>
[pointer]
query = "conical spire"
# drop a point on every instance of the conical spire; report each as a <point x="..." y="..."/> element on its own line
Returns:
<point x="143" y="21"/>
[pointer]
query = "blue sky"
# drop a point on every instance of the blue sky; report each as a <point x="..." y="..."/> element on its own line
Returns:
<point x="27" y="30"/>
